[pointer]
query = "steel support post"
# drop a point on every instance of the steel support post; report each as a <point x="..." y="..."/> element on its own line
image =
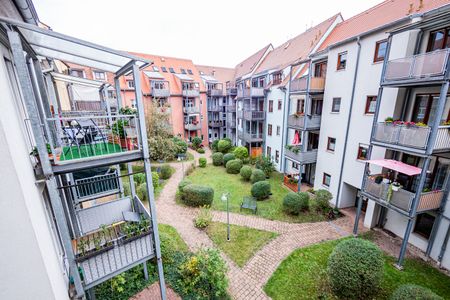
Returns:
<point x="358" y="214"/>
<point x="118" y="95"/>
<point x="148" y="178"/>
<point x="130" y="175"/>
<point x="30" y="103"/>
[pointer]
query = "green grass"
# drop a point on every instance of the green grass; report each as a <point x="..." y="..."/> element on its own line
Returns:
<point x="272" y="208"/>
<point x="244" y="241"/>
<point x="302" y="275"/>
<point x="139" y="168"/>
<point x="171" y="238"/>
<point x="90" y="150"/>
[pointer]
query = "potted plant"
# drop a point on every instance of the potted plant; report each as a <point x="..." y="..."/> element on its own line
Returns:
<point x="378" y="179"/>
<point x="118" y="129"/>
<point x="421" y="124"/>
<point x="389" y="120"/>
<point x="395" y="186"/>
<point x="35" y="153"/>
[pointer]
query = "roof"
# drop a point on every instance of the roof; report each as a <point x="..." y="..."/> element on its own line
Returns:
<point x="248" y="65"/>
<point x="378" y="16"/>
<point x="220" y="74"/>
<point x="296" y="48"/>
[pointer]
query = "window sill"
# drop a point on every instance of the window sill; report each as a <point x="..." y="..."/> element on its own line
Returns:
<point x="378" y="62"/>
<point x="340" y="70"/>
<point x="334" y="112"/>
<point x="363" y="161"/>
<point x="368" y="114"/>
<point x="326" y="186"/>
<point x="330" y="151"/>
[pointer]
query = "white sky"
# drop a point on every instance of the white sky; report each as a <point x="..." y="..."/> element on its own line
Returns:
<point x="214" y="32"/>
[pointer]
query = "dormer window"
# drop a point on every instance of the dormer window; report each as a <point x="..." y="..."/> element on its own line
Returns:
<point x="183" y="71"/>
<point x="155" y="68"/>
<point x="77" y="73"/>
<point x="99" y="75"/>
<point x="171" y="70"/>
<point x="164" y="69"/>
<point x="277" y="78"/>
<point x="189" y="72"/>
<point x="130" y="84"/>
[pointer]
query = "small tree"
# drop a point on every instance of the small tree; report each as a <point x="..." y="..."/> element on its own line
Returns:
<point x="196" y="142"/>
<point x="181" y="146"/>
<point x="294" y="203"/>
<point x="214" y="145"/>
<point x="323" y="198"/>
<point x="224" y="146"/>
<point x="234" y="166"/>
<point x="217" y="159"/>
<point x="265" y="164"/>
<point x="166" y="172"/>
<point x="202" y="162"/>
<point x="241" y="152"/>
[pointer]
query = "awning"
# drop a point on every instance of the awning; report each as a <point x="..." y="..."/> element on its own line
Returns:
<point x="154" y="75"/>
<point x="55" y="45"/>
<point x="396" y="166"/>
<point x="184" y="77"/>
<point x="209" y="78"/>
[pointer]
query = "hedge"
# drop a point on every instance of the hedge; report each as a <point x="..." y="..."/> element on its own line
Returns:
<point x="355" y="269"/>
<point x="412" y="291"/>
<point x="202" y="162"/>
<point x="323" y="198"/>
<point x="261" y="190"/>
<point x="155" y="179"/>
<point x="227" y="157"/>
<point x="139" y="178"/>
<point x="257" y="175"/>
<point x="217" y="159"/>
<point x="197" y="195"/>
<point x="246" y="172"/>
<point x="142" y="192"/>
<point x="234" y="166"/>
<point x="294" y="203"/>
<point x="183" y="183"/>
<point x="166" y="172"/>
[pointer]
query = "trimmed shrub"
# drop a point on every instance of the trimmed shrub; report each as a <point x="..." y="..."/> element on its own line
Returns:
<point x="246" y="172"/>
<point x="261" y="190"/>
<point x="139" y="178"/>
<point x="412" y="291"/>
<point x="142" y="192"/>
<point x="224" y="146"/>
<point x="215" y="145"/>
<point x="155" y="179"/>
<point x="202" y="162"/>
<point x="181" y="145"/>
<point x="241" y="152"/>
<point x="234" y="166"/>
<point x="266" y="164"/>
<point x="197" y="195"/>
<point x="166" y="172"/>
<point x="294" y="203"/>
<point x="196" y="142"/>
<point x="355" y="269"/>
<point x="217" y="159"/>
<point x="184" y="183"/>
<point x="126" y="189"/>
<point x="323" y="198"/>
<point x="190" y="168"/>
<point x="204" y="218"/>
<point x="257" y="175"/>
<point x="201" y="150"/>
<point x="227" y="157"/>
<point x="246" y="161"/>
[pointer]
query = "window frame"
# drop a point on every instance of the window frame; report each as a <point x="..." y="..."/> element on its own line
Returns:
<point x="183" y="71"/>
<point x="444" y="42"/>
<point x="277" y="156"/>
<point x="269" y="129"/>
<point x="324" y="182"/>
<point x="360" y="148"/>
<point x="340" y="65"/>
<point x="277" y="78"/>
<point x="333" y="104"/>
<point x="421" y="232"/>
<point x="269" y="151"/>
<point x="163" y="69"/>
<point x="278" y="130"/>
<point x="190" y="72"/>
<point x="99" y="72"/>
<point x="280" y="104"/>
<point x="83" y="74"/>
<point x="132" y="85"/>
<point x="271" y="106"/>
<point x="329" y="142"/>
<point x="171" y="70"/>
<point x="377" y="58"/>
<point x="369" y="99"/>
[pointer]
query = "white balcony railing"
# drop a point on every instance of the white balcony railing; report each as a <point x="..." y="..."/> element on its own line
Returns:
<point x="298" y="121"/>
<point x="254" y="115"/>
<point x="250" y="137"/>
<point x="192" y="127"/>
<point x="192" y="93"/>
<point x="191" y="109"/>
<point x="305" y="157"/>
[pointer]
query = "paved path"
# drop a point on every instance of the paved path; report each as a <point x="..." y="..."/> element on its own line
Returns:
<point x="246" y="282"/>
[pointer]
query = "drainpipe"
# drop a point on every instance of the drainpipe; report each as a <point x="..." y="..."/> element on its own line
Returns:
<point x="285" y="128"/>
<point x="348" y="123"/>
<point x="282" y="159"/>
<point x="444" y="246"/>
<point x="27" y="11"/>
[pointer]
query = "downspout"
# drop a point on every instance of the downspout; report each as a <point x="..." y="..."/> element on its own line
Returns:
<point x="27" y="11"/>
<point x="285" y="128"/>
<point x="282" y="165"/>
<point x="358" y="41"/>
<point x="444" y="246"/>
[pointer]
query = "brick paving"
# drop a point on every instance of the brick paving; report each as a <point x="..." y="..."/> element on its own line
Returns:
<point x="246" y="282"/>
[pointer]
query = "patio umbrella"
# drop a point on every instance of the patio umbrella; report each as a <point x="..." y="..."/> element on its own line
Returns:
<point x="296" y="139"/>
<point x="396" y="166"/>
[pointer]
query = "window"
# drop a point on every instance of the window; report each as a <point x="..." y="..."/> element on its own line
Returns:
<point x="155" y="68"/>
<point x="331" y="145"/>
<point x="320" y="69"/>
<point x="164" y="69"/>
<point x="424" y="225"/>
<point x="280" y="104"/>
<point x="336" y="105"/>
<point x="277" y="156"/>
<point x="439" y="39"/>
<point x="269" y="151"/>
<point x="294" y="165"/>
<point x="183" y="71"/>
<point x="171" y="70"/>
<point x="278" y="130"/>
<point x="77" y="73"/>
<point x="269" y="129"/>
<point x="380" y="51"/>
<point x="342" y="61"/>
<point x="99" y="75"/>
<point x="133" y="103"/>
<point x="270" y="105"/>
<point x="189" y="72"/>
<point x="371" y="103"/>
<point x="362" y="152"/>
<point x="277" y="78"/>
<point x="326" y="179"/>
<point x="130" y="84"/>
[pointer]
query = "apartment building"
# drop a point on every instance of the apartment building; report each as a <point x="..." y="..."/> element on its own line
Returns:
<point x="64" y="205"/>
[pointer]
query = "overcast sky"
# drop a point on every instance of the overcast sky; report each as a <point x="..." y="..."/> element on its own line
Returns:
<point x="214" y="32"/>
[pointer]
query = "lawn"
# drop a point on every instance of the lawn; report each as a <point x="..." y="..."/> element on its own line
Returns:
<point x="272" y="208"/>
<point x="303" y="275"/>
<point x="244" y="241"/>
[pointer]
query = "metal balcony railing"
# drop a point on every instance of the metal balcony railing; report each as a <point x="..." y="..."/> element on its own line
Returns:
<point x="304" y="157"/>
<point x="316" y="84"/>
<point x="299" y="84"/>
<point x="253" y="115"/>
<point x="419" y="66"/>
<point x="402" y="198"/>
<point x="81" y="136"/>
<point x="215" y="108"/>
<point x="192" y="127"/>
<point x="192" y="93"/>
<point x="298" y="121"/>
<point x="94" y="105"/>
<point x="96" y="186"/>
<point x="191" y="110"/>
<point x="214" y="92"/>
<point x="232" y="91"/>
<point x="215" y="123"/>
<point x="231" y="124"/>
<point x="250" y="137"/>
<point x="231" y="108"/>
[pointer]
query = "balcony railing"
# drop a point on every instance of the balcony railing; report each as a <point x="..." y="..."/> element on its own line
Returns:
<point x="191" y="110"/>
<point x="214" y="92"/>
<point x="96" y="186"/>
<point x="253" y="115"/>
<point x="160" y="92"/>
<point x="316" y="84"/>
<point x="231" y="124"/>
<point x="250" y="92"/>
<point x="81" y="136"/>
<point x="431" y="65"/>
<point x="298" y="121"/>
<point x="411" y="136"/>
<point x="106" y="249"/>
<point x="250" y="137"/>
<point x="232" y="91"/>
<point x="192" y="127"/>
<point x="93" y="105"/>
<point x="215" y="108"/>
<point x="215" y="124"/>
<point x="243" y="93"/>
<point x="231" y="108"/>
<point x="402" y="198"/>
<point x="299" y="84"/>
<point x="304" y="157"/>
<point x="190" y="93"/>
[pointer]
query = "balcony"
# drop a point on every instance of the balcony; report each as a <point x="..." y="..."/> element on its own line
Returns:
<point x="250" y="92"/>
<point x="91" y="105"/>
<point x="96" y="186"/>
<point x="231" y="108"/>
<point x="192" y="126"/>
<point x="215" y="108"/>
<point x="231" y="124"/>
<point x="250" y="137"/>
<point x="191" y="93"/>
<point x="112" y="243"/>
<point x="161" y="93"/>
<point x="401" y="199"/>
<point x="191" y="110"/>
<point x="215" y="124"/>
<point x="300" y="85"/>
<point x="214" y="92"/>
<point x="303" y="157"/>
<point x="232" y="91"/>
<point x="251" y="115"/>
<point x="411" y="137"/>
<point x="416" y="69"/>
<point x="297" y="121"/>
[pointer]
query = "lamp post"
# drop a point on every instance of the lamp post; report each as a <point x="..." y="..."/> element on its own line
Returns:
<point x="181" y="158"/>
<point x="225" y="197"/>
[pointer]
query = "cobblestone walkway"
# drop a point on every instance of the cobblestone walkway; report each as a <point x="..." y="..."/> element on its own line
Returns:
<point x="246" y="282"/>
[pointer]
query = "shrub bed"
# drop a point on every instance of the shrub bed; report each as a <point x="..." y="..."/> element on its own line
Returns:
<point x="201" y="150"/>
<point x="246" y="172"/>
<point x="183" y="183"/>
<point x="261" y="190"/>
<point x="241" y="152"/>
<point x="166" y="172"/>
<point x="257" y="175"/>
<point x="155" y="179"/>
<point x="217" y="159"/>
<point x="294" y="203"/>
<point x="355" y="269"/>
<point x="202" y="162"/>
<point x="197" y="195"/>
<point x="224" y="146"/>
<point x="227" y="157"/>
<point x="323" y="198"/>
<point x="234" y="166"/>
<point x="412" y="291"/>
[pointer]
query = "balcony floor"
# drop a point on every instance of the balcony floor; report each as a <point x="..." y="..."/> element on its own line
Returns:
<point x="89" y="150"/>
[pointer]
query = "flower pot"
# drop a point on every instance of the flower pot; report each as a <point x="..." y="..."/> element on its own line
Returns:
<point x="94" y="252"/>
<point x="395" y="188"/>
<point x="386" y="180"/>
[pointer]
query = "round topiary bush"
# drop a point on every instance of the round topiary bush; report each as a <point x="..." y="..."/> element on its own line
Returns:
<point x="155" y="179"/>
<point x="234" y="166"/>
<point x="355" y="269"/>
<point x="257" y="175"/>
<point x="215" y="145"/>
<point x="197" y="195"/>
<point x="142" y="192"/>
<point x="139" y="178"/>
<point x="183" y="183"/>
<point x="412" y="291"/>
<point x="202" y="162"/>
<point x="294" y="203"/>
<point x="227" y="157"/>
<point x="217" y="159"/>
<point x="224" y="146"/>
<point x="166" y="172"/>
<point x="323" y="198"/>
<point x="201" y="150"/>
<point x="246" y="172"/>
<point x="261" y="190"/>
<point x="241" y="152"/>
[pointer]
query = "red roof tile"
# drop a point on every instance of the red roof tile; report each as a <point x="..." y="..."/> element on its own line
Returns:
<point x="248" y="65"/>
